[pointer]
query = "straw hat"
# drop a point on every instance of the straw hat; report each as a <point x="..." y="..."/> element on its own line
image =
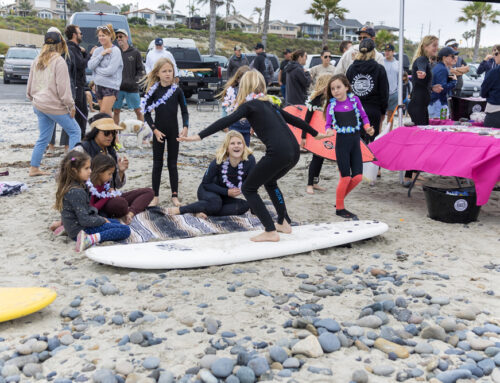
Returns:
<point x="105" y="124"/>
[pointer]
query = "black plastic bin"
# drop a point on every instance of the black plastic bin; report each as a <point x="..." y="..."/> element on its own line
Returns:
<point x="448" y="208"/>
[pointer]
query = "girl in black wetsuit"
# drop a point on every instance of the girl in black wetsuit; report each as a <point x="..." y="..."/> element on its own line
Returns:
<point x="222" y="181"/>
<point x="164" y="97"/>
<point x="282" y="150"/>
<point x="314" y="103"/>
<point x="421" y="80"/>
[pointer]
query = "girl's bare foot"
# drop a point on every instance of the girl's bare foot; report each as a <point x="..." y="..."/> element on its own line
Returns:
<point x="154" y="202"/>
<point x="284" y="227"/>
<point x="267" y="236"/>
<point x="173" y="211"/>
<point x="310" y="189"/>
<point x="54" y="225"/>
<point x="176" y="202"/>
<point x="34" y="171"/>
<point x="127" y="220"/>
<point x="320" y="188"/>
<point x="201" y="215"/>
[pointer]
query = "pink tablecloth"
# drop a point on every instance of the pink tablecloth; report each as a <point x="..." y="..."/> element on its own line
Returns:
<point x="437" y="121"/>
<point x="466" y="155"/>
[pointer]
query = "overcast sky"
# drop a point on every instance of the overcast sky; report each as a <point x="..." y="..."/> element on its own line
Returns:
<point x="438" y="16"/>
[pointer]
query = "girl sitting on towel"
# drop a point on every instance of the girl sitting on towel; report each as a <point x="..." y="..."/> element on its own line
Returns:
<point x="314" y="103"/>
<point x="80" y="220"/>
<point x="282" y="150"/>
<point x="222" y="181"/>
<point x="344" y="113"/>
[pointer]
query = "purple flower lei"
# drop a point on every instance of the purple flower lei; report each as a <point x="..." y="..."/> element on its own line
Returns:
<point x="156" y="104"/>
<point x="229" y="184"/>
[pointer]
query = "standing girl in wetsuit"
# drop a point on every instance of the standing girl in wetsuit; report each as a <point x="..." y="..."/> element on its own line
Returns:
<point x="422" y="79"/>
<point x="314" y="103"/>
<point x="164" y="97"/>
<point x="282" y="150"/>
<point x="344" y="113"/>
<point x="223" y="180"/>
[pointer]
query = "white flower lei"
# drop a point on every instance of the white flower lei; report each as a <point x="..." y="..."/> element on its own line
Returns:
<point x="229" y="184"/>
<point x="253" y="96"/>
<point x="312" y="107"/>
<point x="103" y="194"/>
<point x="156" y="104"/>
<point x="229" y="100"/>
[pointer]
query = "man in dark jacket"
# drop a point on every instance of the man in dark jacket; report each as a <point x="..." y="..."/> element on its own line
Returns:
<point x="133" y="70"/>
<point x="79" y="60"/>
<point x="235" y="62"/>
<point x="262" y="63"/>
<point x="298" y="79"/>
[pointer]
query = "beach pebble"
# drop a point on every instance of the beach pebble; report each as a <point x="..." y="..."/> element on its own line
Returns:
<point x="259" y="365"/>
<point x="109" y="289"/>
<point x="207" y="361"/>
<point x="222" y="367"/>
<point x="245" y="375"/>
<point x="53" y="343"/>
<point x="23" y="349"/>
<point x="212" y="325"/>
<point x="355" y="331"/>
<point x="433" y="332"/>
<point x="118" y="320"/>
<point x="387" y="346"/>
<point x="448" y="324"/>
<point x="32" y="369"/>
<point x="291" y="363"/>
<point x="136" y="337"/>
<point x="329" y="342"/>
<point x="328" y="323"/>
<point x="125" y="368"/>
<point x="252" y="292"/>
<point x="10" y="370"/>
<point x="480" y="344"/>
<point x="104" y="376"/>
<point x="467" y="314"/>
<point x="134" y="315"/>
<point x="309" y="347"/>
<point x="383" y="370"/>
<point x="207" y="377"/>
<point x="417" y="293"/>
<point x="66" y="340"/>
<point x="371" y="321"/>
<point x="442" y="301"/>
<point x="424" y="348"/>
<point x="495" y="375"/>
<point x="487" y="365"/>
<point x="151" y="362"/>
<point x="166" y="377"/>
<point x="453" y="375"/>
<point x="360" y="376"/>
<point x="278" y="354"/>
<point x="497" y="359"/>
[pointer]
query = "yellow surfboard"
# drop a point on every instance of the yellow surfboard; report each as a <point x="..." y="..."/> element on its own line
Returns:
<point x="16" y="302"/>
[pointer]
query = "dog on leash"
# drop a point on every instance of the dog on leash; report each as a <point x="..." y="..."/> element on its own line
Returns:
<point x="136" y="128"/>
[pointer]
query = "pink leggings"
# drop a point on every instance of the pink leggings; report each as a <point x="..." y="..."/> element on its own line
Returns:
<point x="134" y="201"/>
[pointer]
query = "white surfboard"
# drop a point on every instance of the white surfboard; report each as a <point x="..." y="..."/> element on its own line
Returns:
<point x="222" y="249"/>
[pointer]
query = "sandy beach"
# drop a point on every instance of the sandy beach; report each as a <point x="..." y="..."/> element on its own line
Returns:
<point x="428" y="271"/>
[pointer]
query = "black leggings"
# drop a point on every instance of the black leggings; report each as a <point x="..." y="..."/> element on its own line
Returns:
<point x="267" y="172"/>
<point x="314" y="170"/>
<point x="348" y="152"/>
<point x="419" y="113"/>
<point x="172" y="154"/>
<point x="492" y="120"/>
<point x="215" y="204"/>
<point x="374" y="115"/>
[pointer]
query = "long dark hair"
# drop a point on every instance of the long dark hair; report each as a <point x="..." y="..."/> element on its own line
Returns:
<point x="68" y="174"/>
<point x="298" y="53"/>
<point x="328" y="91"/>
<point x="100" y="164"/>
<point x="94" y="131"/>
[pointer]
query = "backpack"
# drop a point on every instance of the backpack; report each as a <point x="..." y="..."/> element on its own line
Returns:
<point x="268" y="72"/>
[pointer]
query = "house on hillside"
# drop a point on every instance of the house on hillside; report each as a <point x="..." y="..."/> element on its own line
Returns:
<point x="283" y="29"/>
<point x="382" y="27"/>
<point x="152" y="17"/>
<point x="345" y="29"/>
<point x="104" y="8"/>
<point x="45" y="9"/>
<point x="195" y="22"/>
<point x="311" y="31"/>
<point x="241" y="22"/>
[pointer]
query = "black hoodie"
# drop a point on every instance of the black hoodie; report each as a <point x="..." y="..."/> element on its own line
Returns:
<point x="297" y="83"/>
<point x="369" y="82"/>
<point x="133" y="70"/>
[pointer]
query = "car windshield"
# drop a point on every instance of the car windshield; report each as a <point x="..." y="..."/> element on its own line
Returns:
<point x="22" y="54"/>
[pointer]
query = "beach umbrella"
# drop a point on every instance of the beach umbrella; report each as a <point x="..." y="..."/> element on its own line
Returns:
<point x="326" y="147"/>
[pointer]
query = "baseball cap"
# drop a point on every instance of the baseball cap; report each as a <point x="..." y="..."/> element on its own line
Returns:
<point x="287" y="51"/>
<point x="121" y="30"/>
<point x="237" y="48"/>
<point x="451" y="43"/>
<point x="367" y="45"/>
<point x="52" y="38"/>
<point x="368" y="30"/>
<point x="158" y="41"/>
<point x="447" y="51"/>
<point x="259" y="46"/>
<point x="389" y="47"/>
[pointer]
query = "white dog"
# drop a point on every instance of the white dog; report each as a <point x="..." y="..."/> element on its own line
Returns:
<point x="136" y="128"/>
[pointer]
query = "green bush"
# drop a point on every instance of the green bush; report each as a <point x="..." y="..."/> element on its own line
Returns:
<point x="3" y="48"/>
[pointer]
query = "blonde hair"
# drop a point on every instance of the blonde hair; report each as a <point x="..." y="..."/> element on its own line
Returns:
<point x="235" y="80"/>
<point x="366" y="56"/>
<point x="221" y="154"/>
<point x="426" y="41"/>
<point x="251" y="82"/>
<point x="49" y="51"/>
<point x="321" y="85"/>
<point x="109" y="31"/>
<point x="67" y="178"/>
<point x="152" y="77"/>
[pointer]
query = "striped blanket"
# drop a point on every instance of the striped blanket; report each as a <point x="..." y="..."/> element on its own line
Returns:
<point x="155" y="224"/>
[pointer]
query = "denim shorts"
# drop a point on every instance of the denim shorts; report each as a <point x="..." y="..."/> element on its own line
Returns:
<point x="393" y="102"/>
<point x="133" y="100"/>
<point x="102" y="91"/>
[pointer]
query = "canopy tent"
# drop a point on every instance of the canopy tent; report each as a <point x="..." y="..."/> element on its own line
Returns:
<point x="401" y="44"/>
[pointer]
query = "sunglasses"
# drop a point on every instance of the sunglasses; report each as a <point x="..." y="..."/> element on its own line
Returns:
<point x="361" y="38"/>
<point x="108" y="133"/>
<point x="327" y="57"/>
<point x="103" y="27"/>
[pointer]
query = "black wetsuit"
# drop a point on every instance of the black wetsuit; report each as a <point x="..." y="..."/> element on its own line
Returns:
<point x="317" y="161"/>
<point x="282" y="153"/>
<point x="213" y="196"/>
<point x="166" y="122"/>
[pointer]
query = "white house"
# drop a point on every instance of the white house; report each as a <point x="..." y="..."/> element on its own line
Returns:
<point x="346" y="28"/>
<point x="283" y="29"/>
<point x="241" y="22"/>
<point x="156" y="17"/>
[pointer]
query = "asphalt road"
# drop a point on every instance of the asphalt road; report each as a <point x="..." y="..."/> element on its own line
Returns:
<point x="13" y="92"/>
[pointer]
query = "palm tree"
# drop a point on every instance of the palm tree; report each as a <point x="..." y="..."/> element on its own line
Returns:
<point x="259" y="11"/>
<point x="171" y="6"/>
<point x="229" y="5"/>
<point x="25" y="7"/>
<point x="384" y="37"/>
<point x="213" y="20"/>
<point x="479" y="13"/>
<point x="469" y="35"/>
<point x="322" y="10"/>
<point x="267" y="11"/>
<point x="77" y="5"/>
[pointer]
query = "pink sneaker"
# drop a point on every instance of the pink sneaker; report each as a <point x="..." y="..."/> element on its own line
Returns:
<point x="83" y="242"/>
<point x="59" y="231"/>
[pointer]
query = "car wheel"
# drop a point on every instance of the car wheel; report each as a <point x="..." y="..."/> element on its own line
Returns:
<point x="6" y="80"/>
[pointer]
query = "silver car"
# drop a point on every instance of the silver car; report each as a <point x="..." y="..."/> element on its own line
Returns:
<point x="17" y="62"/>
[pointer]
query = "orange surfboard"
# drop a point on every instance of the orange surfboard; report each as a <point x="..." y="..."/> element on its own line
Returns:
<point x="326" y="147"/>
